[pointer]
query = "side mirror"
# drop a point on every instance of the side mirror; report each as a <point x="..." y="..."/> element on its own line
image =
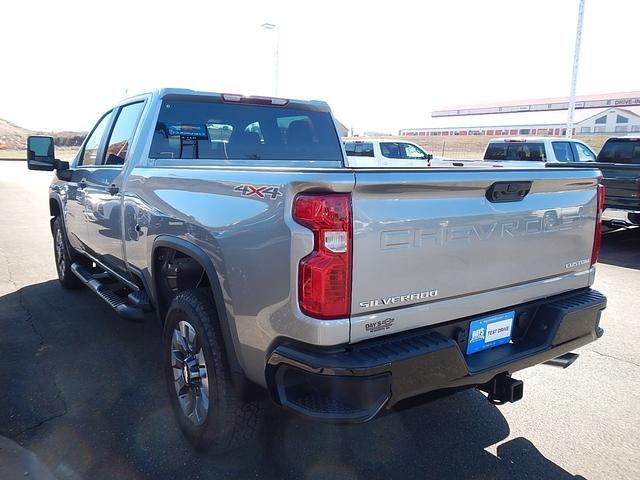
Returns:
<point x="41" y="154"/>
<point x="429" y="156"/>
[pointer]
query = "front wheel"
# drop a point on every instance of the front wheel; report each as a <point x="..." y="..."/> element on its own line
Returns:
<point x="210" y="412"/>
<point x="63" y="256"/>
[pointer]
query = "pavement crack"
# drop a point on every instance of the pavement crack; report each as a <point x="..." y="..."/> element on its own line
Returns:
<point x="42" y="345"/>
<point x="29" y="320"/>
<point x="615" y="358"/>
<point x="43" y="421"/>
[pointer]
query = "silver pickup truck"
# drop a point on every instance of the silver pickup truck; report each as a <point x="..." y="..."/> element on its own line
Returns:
<point x="274" y="269"/>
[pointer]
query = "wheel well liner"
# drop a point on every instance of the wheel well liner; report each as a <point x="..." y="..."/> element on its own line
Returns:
<point x="54" y="207"/>
<point x="197" y="254"/>
<point x="55" y="210"/>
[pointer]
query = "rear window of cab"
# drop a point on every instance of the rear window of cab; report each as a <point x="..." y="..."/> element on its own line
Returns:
<point x="522" y="151"/>
<point x="193" y="129"/>
<point x="620" y="151"/>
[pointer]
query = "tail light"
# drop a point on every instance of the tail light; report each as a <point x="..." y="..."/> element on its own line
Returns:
<point x="598" y="235"/>
<point x="324" y="276"/>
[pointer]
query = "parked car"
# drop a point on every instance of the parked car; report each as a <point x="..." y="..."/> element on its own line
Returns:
<point x="537" y="151"/>
<point x="390" y="153"/>
<point x="273" y="269"/>
<point x="619" y="161"/>
<point x="373" y="152"/>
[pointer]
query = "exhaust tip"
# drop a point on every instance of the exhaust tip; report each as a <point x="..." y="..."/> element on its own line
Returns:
<point x="563" y="361"/>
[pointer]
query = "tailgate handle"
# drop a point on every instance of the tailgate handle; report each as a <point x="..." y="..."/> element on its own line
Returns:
<point x="508" y="191"/>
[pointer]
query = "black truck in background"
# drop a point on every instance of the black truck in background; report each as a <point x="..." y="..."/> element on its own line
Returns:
<point x="619" y="161"/>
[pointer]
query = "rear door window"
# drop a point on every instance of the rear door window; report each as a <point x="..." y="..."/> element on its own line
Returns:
<point x="359" y="149"/>
<point x="620" y="151"/>
<point x="521" y="151"/>
<point x="190" y="129"/>
<point x="562" y="151"/>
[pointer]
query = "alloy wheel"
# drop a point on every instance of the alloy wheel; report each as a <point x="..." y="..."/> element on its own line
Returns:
<point x="60" y="254"/>
<point x="190" y="373"/>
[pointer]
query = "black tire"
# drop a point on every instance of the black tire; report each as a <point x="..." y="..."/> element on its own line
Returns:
<point x="229" y="421"/>
<point x="64" y="257"/>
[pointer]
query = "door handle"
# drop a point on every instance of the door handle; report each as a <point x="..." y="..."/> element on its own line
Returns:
<point x="113" y="189"/>
<point x="82" y="184"/>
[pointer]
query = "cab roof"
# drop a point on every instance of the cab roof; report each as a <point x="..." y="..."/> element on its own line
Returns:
<point x="184" y="92"/>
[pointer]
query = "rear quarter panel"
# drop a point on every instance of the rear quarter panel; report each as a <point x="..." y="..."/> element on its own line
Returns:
<point x="251" y="239"/>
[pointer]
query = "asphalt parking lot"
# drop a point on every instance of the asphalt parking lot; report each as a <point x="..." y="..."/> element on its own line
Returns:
<point x="82" y="394"/>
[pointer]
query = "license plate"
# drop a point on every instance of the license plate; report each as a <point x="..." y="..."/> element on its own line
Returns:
<point x="489" y="332"/>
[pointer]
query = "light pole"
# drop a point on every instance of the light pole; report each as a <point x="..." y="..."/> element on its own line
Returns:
<point x="574" y="75"/>
<point x="272" y="26"/>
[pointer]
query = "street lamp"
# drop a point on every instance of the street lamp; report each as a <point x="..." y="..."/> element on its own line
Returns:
<point x="574" y="73"/>
<point x="271" y="26"/>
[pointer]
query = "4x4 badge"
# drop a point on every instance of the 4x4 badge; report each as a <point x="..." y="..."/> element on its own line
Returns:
<point x="261" y="192"/>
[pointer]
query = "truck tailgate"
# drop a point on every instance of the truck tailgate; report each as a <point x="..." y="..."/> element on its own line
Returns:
<point x="430" y="246"/>
<point x="623" y="185"/>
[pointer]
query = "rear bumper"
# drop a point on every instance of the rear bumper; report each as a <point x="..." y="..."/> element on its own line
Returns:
<point x="621" y="217"/>
<point x="354" y="382"/>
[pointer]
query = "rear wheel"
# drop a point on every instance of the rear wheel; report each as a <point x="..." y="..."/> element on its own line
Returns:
<point x="64" y="257"/>
<point x="210" y="412"/>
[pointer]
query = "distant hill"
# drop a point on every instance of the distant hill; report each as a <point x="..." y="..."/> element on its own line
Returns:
<point x="13" y="137"/>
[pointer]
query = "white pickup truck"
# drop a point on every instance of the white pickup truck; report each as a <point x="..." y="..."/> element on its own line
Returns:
<point x="392" y="153"/>
<point x="536" y="151"/>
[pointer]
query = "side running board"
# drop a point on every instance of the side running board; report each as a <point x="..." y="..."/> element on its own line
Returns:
<point x="121" y="307"/>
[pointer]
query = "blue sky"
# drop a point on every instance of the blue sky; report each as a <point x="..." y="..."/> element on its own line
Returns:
<point x="381" y="65"/>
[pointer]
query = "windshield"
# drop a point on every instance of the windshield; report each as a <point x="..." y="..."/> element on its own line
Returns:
<point x="621" y="150"/>
<point x="195" y="129"/>
<point x="516" y="151"/>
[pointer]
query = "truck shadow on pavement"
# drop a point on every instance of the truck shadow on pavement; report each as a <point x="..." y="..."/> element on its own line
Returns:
<point x="621" y="248"/>
<point x="83" y="390"/>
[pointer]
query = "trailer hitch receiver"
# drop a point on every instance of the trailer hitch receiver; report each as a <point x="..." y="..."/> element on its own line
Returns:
<point x="502" y="389"/>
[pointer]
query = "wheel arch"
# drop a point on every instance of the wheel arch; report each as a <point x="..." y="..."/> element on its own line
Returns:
<point x="196" y="253"/>
<point x="55" y="210"/>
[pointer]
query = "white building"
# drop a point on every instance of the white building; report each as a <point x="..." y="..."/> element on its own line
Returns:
<point x="550" y="123"/>
<point x="612" y="120"/>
